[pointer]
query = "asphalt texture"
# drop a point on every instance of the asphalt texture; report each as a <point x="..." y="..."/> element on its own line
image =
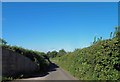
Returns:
<point x="54" y="73"/>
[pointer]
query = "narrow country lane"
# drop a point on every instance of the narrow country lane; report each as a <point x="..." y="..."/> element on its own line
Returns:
<point x="55" y="73"/>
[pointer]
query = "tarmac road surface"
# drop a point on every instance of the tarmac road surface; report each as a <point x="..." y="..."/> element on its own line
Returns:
<point x="55" y="73"/>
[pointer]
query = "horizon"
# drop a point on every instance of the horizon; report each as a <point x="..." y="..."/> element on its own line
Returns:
<point x="53" y="26"/>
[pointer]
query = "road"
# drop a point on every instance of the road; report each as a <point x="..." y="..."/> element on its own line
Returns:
<point x="55" y="73"/>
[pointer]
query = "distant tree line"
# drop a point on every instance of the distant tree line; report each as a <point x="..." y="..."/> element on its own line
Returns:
<point x="52" y="54"/>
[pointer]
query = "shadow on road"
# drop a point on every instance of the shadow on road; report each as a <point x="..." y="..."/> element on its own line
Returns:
<point x="51" y="68"/>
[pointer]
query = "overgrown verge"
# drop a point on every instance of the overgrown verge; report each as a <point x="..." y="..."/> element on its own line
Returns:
<point x="100" y="61"/>
<point x="35" y="56"/>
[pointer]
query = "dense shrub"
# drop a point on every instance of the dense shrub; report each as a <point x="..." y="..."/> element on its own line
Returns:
<point x="100" y="61"/>
<point x="35" y="56"/>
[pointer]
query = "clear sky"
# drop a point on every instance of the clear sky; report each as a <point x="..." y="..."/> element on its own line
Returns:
<point x="53" y="26"/>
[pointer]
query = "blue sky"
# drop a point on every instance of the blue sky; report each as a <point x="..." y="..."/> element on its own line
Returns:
<point x="53" y="26"/>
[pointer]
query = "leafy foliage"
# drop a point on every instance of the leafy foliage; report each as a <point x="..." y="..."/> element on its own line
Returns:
<point x="100" y="61"/>
<point x="54" y="54"/>
<point x="2" y="41"/>
<point x="35" y="56"/>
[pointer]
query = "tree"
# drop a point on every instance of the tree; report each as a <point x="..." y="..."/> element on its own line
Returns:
<point x="117" y="31"/>
<point x="94" y="40"/>
<point x="52" y="54"/>
<point x="100" y="38"/>
<point x="48" y="54"/>
<point x="111" y="35"/>
<point x="2" y="41"/>
<point x="61" y="52"/>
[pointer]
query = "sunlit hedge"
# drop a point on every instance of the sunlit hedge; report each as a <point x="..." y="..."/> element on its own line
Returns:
<point x="100" y="61"/>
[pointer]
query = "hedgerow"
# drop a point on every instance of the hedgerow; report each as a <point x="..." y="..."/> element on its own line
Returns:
<point x="100" y="61"/>
<point x="35" y="56"/>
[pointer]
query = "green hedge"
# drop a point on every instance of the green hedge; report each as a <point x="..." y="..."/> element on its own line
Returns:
<point x="100" y="61"/>
<point x="35" y="56"/>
